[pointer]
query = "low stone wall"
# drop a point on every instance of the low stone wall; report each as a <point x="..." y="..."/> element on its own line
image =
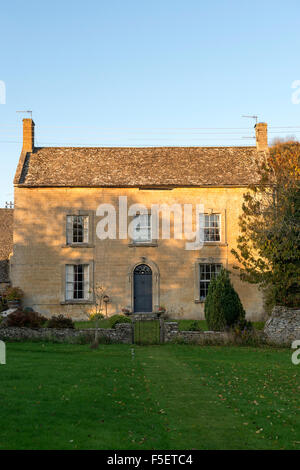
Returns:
<point x="123" y="333"/>
<point x="172" y="334"/>
<point x="283" y="327"/>
<point x="144" y="316"/>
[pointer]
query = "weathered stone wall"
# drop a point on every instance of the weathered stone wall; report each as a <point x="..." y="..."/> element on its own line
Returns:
<point x="172" y="334"/>
<point x="283" y="326"/>
<point x="123" y="333"/>
<point x="41" y="253"/>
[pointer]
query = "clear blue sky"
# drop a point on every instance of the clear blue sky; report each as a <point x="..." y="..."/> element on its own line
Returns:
<point x="138" y="73"/>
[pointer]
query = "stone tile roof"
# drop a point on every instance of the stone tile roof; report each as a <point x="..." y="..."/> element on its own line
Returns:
<point x="6" y="241"/>
<point x="151" y="166"/>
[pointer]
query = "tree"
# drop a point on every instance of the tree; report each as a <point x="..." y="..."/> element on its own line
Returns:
<point x="268" y="247"/>
<point x="222" y="305"/>
<point x="99" y="295"/>
<point x="97" y="312"/>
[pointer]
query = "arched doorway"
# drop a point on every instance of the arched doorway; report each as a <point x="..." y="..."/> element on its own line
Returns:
<point x="142" y="286"/>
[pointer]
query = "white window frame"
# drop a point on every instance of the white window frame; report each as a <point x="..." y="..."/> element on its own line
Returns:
<point x="70" y="274"/>
<point x="70" y="233"/>
<point x="206" y="281"/>
<point x="144" y="225"/>
<point x="208" y="226"/>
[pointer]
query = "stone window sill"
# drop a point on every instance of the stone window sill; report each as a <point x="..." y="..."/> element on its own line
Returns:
<point x="215" y="244"/>
<point x="76" y="302"/>
<point x="131" y="245"/>
<point x="78" y="245"/>
<point x="198" y="301"/>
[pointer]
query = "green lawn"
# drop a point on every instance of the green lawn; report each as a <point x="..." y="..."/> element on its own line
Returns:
<point x="60" y="396"/>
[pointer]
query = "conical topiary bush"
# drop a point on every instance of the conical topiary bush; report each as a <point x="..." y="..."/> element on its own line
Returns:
<point x="223" y="307"/>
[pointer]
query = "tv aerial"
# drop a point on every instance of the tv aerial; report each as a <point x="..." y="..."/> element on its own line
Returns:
<point x="251" y="117"/>
<point x="28" y="112"/>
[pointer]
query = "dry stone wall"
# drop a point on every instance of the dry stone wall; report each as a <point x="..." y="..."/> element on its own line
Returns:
<point x="172" y="334"/>
<point x="121" y="334"/>
<point x="283" y="327"/>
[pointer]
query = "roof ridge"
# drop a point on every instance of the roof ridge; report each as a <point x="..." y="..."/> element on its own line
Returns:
<point x="151" y="147"/>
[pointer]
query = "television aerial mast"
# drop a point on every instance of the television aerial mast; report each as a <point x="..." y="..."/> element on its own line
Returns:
<point x="29" y="112"/>
<point x="251" y="117"/>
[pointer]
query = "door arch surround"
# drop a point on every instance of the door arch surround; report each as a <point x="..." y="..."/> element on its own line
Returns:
<point x="155" y="283"/>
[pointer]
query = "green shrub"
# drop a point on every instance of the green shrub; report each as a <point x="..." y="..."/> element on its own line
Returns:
<point x="247" y="337"/>
<point x="59" y="321"/>
<point x="243" y="325"/>
<point x="115" y="319"/>
<point x="19" y="318"/>
<point x="13" y="293"/>
<point x="223" y="307"/>
<point x="96" y="316"/>
<point x="194" y="326"/>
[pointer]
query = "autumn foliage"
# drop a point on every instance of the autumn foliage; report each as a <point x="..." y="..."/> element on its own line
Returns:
<point x="268" y="248"/>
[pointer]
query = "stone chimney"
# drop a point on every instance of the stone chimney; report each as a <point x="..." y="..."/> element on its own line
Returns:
<point x="261" y="132"/>
<point x="28" y="135"/>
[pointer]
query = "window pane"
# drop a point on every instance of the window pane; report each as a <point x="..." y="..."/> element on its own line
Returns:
<point x="202" y="272"/>
<point x="77" y="229"/>
<point x="142" y="232"/>
<point x="207" y="272"/>
<point x="211" y="227"/>
<point x="77" y="282"/>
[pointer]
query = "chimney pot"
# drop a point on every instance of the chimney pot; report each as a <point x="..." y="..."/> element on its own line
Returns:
<point x="28" y="135"/>
<point x="261" y="132"/>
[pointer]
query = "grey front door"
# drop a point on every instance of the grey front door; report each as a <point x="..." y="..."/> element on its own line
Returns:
<point x="142" y="288"/>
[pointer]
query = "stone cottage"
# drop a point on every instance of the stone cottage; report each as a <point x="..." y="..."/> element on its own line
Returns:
<point x="6" y="245"/>
<point x="62" y="250"/>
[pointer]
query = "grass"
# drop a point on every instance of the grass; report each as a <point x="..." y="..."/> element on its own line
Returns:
<point x="82" y="325"/>
<point x="184" y="325"/>
<point x="58" y="396"/>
